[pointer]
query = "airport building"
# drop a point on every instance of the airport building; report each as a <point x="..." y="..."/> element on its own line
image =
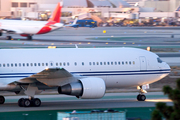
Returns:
<point x="98" y="10"/>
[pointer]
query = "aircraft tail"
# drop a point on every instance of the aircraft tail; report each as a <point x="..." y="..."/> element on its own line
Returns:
<point x="75" y="21"/>
<point x="55" y="17"/>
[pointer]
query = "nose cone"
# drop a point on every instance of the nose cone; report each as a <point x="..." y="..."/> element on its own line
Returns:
<point x="166" y="66"/>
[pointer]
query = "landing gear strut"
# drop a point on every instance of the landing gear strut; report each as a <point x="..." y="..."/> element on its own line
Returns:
<point x="2" y="99"/>
<point x="24" y="102"/>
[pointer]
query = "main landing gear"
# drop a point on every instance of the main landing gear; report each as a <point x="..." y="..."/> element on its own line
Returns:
<point x="8" y="37"/>
<point x="34" y="102"/>
<point x="2" y="99"/>
<point x="141" y="96"/>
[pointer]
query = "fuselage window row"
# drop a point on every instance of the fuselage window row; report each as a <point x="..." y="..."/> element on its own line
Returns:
<point x="66" y="64"/>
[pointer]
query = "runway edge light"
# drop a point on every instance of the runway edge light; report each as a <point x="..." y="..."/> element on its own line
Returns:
<point x="51" y="47"/>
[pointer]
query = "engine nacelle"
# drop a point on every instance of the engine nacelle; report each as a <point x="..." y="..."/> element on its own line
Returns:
<point x="86" y="88"/>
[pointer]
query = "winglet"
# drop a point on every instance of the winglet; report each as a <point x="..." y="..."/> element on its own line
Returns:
<point x="55" y="17"/>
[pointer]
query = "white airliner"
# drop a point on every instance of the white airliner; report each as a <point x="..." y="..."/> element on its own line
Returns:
<point x="82" y="72"/>
<point x="30" y="28"/>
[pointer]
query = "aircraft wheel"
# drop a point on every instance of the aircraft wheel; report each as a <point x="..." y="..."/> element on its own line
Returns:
<point x="138" y="97"/>
<point x="141" y="97"/>
<point x="27" y="103"/>
<point x="20" y="102"/>
<point x="36" y="102"/>
<point x="2" y="99"/>
<point x="8" y="37"/>
<point x="29" y="37"/>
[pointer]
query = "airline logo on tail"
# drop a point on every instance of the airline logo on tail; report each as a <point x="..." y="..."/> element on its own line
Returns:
<point x="54" y="21"/>
<point x="56" y="14"/>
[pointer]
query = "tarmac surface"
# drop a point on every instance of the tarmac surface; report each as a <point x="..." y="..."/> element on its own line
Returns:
<point x="141" y="37"/>
<point x="100" y="37"/>
<point x="63" y="102"/>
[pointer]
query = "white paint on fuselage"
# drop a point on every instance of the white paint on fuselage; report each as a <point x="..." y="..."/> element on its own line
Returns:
<point x="26" y="27"/>
<point x="115" y="76"/>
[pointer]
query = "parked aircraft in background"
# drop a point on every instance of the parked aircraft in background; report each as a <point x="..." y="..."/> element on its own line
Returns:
<point x="82" y="72"/>
<point x="30" y="28"/>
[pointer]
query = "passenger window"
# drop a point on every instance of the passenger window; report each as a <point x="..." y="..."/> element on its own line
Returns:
<point x="104" y="63"/>
<point x="75" y="63"/>
<point x="122" y="63"/>
<point x="107" y="63"/>
<point x="115" y="63"/>
<point x="89" y="63"/>
<point x="82" y="63"/>
<point x="56" y="64"/>
<point x="46" y="64"/>
<point x="8" y="65"/>
<point x="130" y="62"/>
<point x="134" y="62"/>
<point x="42" y="64"/>
<point x="4" y="65"/>
<point x="68" y="64"/>
<point x="93" y="63"/>
<point x="19" y="64"/>
<point x="31" y="64"/>
<point x="64" y="64"/>
<point x="15" y="64"/>
<point x="39" y="64"/>
<point x="35" y="64"/>
<point x="23" y="64"/>
<point x="100" y="63"/>
<point x="27" y="64"/>
<point x="119" y="63"/>
<point x="111" y="63"/>
<point x="60" y="64"/>
<point x="51" y="64"/>
<point x="97" y="63"/>
<point x="11" y="64"/>
<point x="126" y="62"/>
<point x="0" y="65"/>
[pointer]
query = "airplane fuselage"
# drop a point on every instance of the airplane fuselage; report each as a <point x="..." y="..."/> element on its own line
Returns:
<point x="29" y="27"/>
<point x="118" y="67"/>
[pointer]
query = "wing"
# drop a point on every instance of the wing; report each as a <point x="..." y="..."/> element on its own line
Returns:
<point x="49" y="77"/>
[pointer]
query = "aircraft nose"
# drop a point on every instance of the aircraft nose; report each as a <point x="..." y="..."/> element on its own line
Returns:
<point x="167" y="66"/>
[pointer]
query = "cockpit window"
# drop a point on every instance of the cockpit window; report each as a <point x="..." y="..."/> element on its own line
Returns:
<point x="159" y="60"/>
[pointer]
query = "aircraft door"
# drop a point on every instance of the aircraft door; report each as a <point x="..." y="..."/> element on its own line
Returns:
<point x="143" y="65"/>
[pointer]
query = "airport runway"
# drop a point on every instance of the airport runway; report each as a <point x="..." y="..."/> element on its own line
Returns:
<point x="110" y="100"/>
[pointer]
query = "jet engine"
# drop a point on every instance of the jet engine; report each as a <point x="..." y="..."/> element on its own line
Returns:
<point x="86" y="88"/>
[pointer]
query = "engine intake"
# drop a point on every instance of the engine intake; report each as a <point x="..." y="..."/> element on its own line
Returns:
<point x="86" y="88"/>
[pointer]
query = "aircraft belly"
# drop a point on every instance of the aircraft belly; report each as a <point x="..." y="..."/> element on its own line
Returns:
<point x="120" y="81"/>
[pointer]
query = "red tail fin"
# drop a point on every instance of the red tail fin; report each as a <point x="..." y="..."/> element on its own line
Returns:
<point x="55" y="17"/>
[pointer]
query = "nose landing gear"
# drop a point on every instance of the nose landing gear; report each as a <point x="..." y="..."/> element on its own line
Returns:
<point x="141" y="96"/>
